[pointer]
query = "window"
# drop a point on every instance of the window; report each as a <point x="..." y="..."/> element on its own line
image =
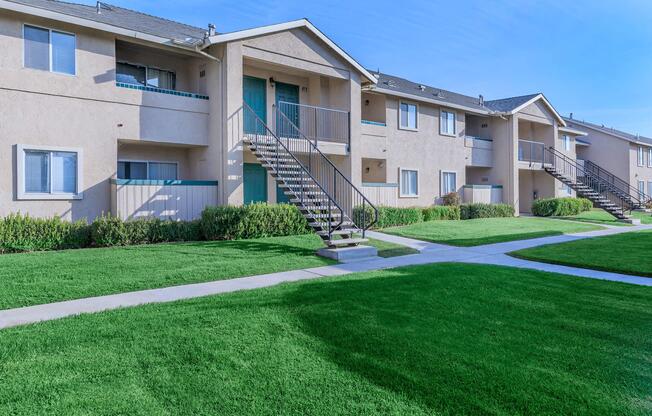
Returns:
<point x="409" y="183"/>
<point x="447" y="123"/>
<point x="641" y="156"/>
<point x="128" y="169"/>
<point x="448" y="183"/>
<point x="567" y="189"/>
<point x="566" y="140"/>
<point x="649" y="157"/>
<point x="49" y="50"/>
<point x="641" y="187"/>
<point x="142" y="75"/>
<point x="48" y="173"/>
<point x="408" y="116"/>
<point x="649" y="189"/>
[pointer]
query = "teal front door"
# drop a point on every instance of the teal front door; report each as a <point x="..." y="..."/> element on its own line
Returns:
<point x="254" y="95"/>
<point x="254" y="182"/>
<point x="281" y="198"/>
<point x="288" y="93"/>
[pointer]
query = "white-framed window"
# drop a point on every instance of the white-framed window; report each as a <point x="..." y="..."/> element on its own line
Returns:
<point x="49" y="50"/>
<point x="129" y="73"/>
<point x="649" y="157"/>
<point x="409" y="183"/>
<point x="566" y="140"/>
<point x="147" y="169"/>
<point x="641" y="187"/>
<point x="408" y="115"/>
<point x="448" y="182"/>
<point x="641" y="156"/>
<point x="45" y="172"/>
<point x="566" y="189"/>
<point x="447" y="120"/>
<point x="649" y="189"/>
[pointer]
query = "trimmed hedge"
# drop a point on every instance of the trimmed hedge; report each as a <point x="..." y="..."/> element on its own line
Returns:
<point x="437" y="213"/>
<point x="560" y="207"/>
<point x="107" y="231"/>
<point x="478" y="210"/>
<point x="252" y="221"/>
<point x="24" y="233"/>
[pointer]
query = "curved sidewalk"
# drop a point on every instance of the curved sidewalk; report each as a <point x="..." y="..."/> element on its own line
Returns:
<point x="429" y="253"/>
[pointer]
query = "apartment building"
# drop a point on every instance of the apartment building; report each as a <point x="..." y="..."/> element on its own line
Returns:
<point x="627" y="157"/>
<point x="106" y="109"/>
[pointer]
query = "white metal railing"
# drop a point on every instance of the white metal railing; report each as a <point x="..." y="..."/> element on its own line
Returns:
<point x="531" y="151"/>
<point x="317" y="123"/>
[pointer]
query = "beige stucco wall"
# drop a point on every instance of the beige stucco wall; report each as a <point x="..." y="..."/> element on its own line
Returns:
<point x="640" y="173"/>
<point x="85" y="111"/>
<point x="159" y="153"/>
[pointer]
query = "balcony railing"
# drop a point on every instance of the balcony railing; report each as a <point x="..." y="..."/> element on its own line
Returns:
<point x="160" y="90"/>
<point x="531" y="152"/>
<point x="317" y="123"/>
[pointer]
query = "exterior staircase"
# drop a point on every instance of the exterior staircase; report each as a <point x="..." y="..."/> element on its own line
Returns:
<point x="615" y="198"/>
<point x="335" y="209"/>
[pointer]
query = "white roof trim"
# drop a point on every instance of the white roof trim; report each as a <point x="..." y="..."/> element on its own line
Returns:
<point x="573" y="131"/>
<point x="605" y="130"/>
<point x="428" y="100"/>
<point x="66" y="18"/>
<point x="305" y="23"/>
<point x="546" y="102"/>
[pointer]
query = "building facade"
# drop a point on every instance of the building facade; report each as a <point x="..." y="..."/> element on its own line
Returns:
<point x="107" y="110"/>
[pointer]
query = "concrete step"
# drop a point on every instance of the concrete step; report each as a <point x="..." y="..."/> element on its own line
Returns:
<point x="347" y="242"/>
<point x="338" y="232"/>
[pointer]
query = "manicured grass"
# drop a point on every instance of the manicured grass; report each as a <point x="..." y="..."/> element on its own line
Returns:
<point x="595" y="216"/>
<point x="35" y="278"/>
<point x="645" y="217"/>
<point x="487" y="230"/>
<point x="386" y="249"/>
<point x="629" y="253"/>
<point x="436" y="339"/>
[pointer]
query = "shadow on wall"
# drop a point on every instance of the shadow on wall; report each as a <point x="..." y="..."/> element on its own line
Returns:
<point x="235" y="154"/>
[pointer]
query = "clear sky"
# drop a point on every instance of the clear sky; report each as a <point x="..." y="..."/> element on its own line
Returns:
<point x="589" y="57"/>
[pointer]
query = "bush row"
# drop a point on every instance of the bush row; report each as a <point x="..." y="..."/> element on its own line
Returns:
<point x="392" y="217"/>
<point x="20" y="233"/>
<point x="560" y="207"/>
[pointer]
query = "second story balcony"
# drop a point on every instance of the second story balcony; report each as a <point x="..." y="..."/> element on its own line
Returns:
<point x="316" y="123"/>
<point x="531" y="152"/>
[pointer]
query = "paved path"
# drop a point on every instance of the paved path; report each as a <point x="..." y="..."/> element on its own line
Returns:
<point x="429" y="253"/>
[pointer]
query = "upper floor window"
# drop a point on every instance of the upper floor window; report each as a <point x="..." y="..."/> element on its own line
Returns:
<point x="142" y="75"/>
<point x="649" y="157"/>
<point x="49" y="50"/>
<point x="408" y="116"/>
<point x="447" y="122"/>
<point x="641" y="156"/>
<point x="566" y="140"/>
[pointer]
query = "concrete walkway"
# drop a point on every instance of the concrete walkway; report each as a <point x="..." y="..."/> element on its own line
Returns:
<point x="429" y="253"/>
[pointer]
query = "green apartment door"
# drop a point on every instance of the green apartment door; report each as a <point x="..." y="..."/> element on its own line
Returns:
<point x="255" y="95"/>
<point x="290" y="94"/>
<point x="254" y="181"/>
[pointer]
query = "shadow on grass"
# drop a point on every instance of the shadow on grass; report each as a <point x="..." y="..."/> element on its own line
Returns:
<point x="460" y="342"/>
<point x="480" y="241"/>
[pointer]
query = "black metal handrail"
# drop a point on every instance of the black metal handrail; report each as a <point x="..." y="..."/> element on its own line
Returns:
<point x="572" y="170"/>
<point x="636" y="195"/>
<point x="337" y="185"/>
<point x="319" y="123"/>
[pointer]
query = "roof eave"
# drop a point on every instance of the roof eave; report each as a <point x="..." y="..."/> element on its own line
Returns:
<point x="431" y="101"/>
<point x="573" y="131"/>
<point x="280" y="27"/>
<point x="558" y="116"/>
<point x="79" y="21"/>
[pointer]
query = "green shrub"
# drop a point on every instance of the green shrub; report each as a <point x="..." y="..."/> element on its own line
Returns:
<point x="560" y="207"/>
<point x="452" y="199"/>
<point x="252" y="221"/>
<point x="390" y="216"/>
<point x="441" y="213"/>
<point x="478" y="210"/>
<point x="109" y="231"/>
<point x="23" y="233"/>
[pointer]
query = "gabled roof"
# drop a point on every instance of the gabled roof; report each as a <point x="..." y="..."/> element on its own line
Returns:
<point x="129" y="21"/>
<point x="393" y="85"/>
<point x="301" y="23"/>
<point x="513" y="105"/>
<point x="608" y="130"/>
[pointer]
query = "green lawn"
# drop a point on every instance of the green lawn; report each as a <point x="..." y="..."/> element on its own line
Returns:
<point x="629" y="253"/>
<point x="35" y="278"/>
<point x="487" y="230"/>
<point x="386" y="249"/>
<point x="596" y="216"/>
<point x="645" y="217"/>
<point x="424" y="340"/>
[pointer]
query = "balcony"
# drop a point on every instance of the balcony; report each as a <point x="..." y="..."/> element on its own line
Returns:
<point x="316" y="123"/>
<point x="479" y="151"/>
<point x="160" y="90"/>
<point x="531" y="154"/>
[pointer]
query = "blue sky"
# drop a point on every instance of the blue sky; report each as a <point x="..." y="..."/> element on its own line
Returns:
<point x="592" y="58"/>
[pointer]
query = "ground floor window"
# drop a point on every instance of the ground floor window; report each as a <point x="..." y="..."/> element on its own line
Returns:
<point x="409" y="182"/>
<point x="448" y="182"/>
<point x="48" y="172"/>
<point x="641" y="187"/>
<point x="134" y="169"/>
<point x="649" y="188"/>
<point x="567" y="189"/>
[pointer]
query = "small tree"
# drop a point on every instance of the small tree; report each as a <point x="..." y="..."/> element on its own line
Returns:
<point x="452" y="199"/>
